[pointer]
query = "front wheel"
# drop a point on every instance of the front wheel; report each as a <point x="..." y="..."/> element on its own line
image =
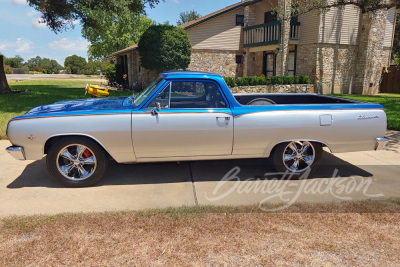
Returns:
<point x="76" y="162"/>
<point x="297" y="157"/>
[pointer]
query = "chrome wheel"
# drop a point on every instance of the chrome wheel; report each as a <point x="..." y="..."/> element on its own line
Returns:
<point x="76" y="162"/>
<point x="298" y="156"/>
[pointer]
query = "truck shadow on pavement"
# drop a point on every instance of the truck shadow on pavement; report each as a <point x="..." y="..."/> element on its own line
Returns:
<point x="36" y="174"/>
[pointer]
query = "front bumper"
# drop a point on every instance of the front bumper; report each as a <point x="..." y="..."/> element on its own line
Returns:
<point x="17" y="152"/>
<point x="381" y="143"/>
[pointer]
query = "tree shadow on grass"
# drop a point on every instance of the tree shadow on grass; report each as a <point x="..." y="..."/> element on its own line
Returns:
<point x="36" y="174"/>
<point x="37" y="95"/>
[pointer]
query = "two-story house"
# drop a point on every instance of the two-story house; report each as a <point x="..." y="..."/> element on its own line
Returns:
<point x="343" y="50"/>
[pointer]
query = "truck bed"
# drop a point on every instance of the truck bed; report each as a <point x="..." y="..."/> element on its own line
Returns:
<point x="289" y="99"/>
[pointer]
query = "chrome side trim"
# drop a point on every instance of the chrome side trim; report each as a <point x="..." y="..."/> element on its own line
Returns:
<point x="17" y="152"/>
<point x="381" y="143"/>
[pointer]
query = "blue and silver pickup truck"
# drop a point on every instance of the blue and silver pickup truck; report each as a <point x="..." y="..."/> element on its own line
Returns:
<point x="185" y="116"/>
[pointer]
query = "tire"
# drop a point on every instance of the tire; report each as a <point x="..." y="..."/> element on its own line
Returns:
<point x="297" y="157"/>
<point x="261" y="102"/>
<point x="76" y="162"/>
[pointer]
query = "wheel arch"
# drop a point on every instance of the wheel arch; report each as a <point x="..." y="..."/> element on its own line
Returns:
<point x="273" y="147"/>
<point x="54" y="138"/>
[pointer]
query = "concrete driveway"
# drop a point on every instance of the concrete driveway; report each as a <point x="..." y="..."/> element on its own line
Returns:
<point x="27" y="188"/>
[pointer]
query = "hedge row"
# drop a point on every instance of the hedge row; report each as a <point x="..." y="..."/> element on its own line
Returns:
<point x="254" y="80"/>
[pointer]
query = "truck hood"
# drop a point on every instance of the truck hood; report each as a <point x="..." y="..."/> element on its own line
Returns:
<point x="87" y="104"/>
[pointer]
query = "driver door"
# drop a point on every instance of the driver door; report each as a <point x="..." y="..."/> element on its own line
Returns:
<point x="194" y="120"/>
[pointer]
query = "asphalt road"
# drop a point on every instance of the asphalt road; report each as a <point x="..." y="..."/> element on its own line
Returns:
<point x="74" y="77"/>
<point x="27" y="188"/>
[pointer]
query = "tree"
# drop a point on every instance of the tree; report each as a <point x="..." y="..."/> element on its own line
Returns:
<point x="14" y="62"/>
<point x="58" y="15"/>
<point x="92" y="67"/>
<point x="298" y="7"/>
<point x="304" y="6"/>
<point x="165" y="47"/>
<point x="33" y="62"/>
<point x="4" y="87"/>
<point x="50" y="65"/>
<point x="187" y="16"/>
<point x="116" y="32"/>
<point x="75" y="64"/>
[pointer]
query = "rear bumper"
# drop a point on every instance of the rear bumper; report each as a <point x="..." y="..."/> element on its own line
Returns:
<point x="17" y="152"/>
<point x="381" y="143"/>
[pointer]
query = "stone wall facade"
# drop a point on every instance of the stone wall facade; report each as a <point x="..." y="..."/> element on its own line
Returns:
<point x="216" y="61"/>
<point x="330" y="66"/>
<point x="277" y="88"/>
<point x="371" y="56"/>
<point x="138" y="77"/>
<point x="253" y="63"/>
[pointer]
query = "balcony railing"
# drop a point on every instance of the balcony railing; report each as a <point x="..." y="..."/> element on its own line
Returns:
<point x="264" y="34"/>
<point x="268" y="33"/>
<point x="295" y="30"/>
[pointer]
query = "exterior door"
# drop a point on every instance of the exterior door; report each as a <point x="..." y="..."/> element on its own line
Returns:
<point x="269" y="64"/>
<point x="194" y="120"/>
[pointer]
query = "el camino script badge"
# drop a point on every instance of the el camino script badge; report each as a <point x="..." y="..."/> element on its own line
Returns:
<point x="364" y="117"/>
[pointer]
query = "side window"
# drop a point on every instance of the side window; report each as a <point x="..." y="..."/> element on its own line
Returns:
<point x="190" y="95"/>
<point x="162" y="98"/>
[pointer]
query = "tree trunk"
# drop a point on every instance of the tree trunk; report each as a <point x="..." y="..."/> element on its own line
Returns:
<point x="3" y="80"/>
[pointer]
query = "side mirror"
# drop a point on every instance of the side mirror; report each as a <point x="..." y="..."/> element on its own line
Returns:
<point x="155" y="110"/>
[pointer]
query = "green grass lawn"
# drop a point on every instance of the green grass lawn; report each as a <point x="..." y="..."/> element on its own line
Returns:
<point x="40" y="92"/>
<point x="391" y="103"/>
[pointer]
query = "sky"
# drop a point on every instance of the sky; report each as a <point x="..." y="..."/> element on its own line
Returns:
<point x="22" y="34"/>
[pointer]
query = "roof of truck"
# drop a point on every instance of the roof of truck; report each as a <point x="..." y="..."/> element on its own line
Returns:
<point x="187" y="74"/>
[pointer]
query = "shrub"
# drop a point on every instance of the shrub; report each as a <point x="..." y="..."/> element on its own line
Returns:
<point x="305" y="79"/>
<point x="37" y="69"/>
<point x="110" y="72"/>
<point x="8" y="69"/>
<point x="288" y="80"/>
<point x="230" y="81"/>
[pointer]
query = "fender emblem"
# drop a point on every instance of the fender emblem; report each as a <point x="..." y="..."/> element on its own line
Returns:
<point x="31" y="137"/>
<point x="364" y="117"/>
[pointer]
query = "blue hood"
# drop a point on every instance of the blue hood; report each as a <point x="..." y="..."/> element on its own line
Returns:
<point x="84" y="105"/>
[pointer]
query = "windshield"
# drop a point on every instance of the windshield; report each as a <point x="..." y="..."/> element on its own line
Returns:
<point x="145" y="93"/>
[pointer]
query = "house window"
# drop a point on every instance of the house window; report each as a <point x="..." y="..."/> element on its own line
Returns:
<point x="239" y="20"/>
<point x="239" y="59"/>
<point x="292" y="62"/>
<point x="270" y="17"/>
<point x="269" y="64"/>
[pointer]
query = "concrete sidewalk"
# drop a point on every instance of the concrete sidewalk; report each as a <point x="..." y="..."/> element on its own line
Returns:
<point x="27" y="188"/>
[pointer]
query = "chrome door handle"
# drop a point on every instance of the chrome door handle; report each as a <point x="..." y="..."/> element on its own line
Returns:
<point x="226" y="118"/>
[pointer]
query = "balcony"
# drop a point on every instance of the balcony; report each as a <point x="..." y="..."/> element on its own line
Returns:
<point x="268" y="34"/>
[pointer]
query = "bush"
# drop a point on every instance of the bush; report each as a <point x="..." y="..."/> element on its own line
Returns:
<point x="37" y="69"/>
<point x="8" y="69"/>
<point x="230" y="81"/>
<point x="110" y="72"/>
<point x="305" y="79"/>
<point x="254" y="80"/>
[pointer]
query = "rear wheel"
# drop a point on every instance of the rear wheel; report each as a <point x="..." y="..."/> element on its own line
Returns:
<point x="297" y="157"/>
<point x="76" y="162"/>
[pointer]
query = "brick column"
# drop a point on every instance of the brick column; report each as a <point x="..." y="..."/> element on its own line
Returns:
<point x="285" y="14"/>
<point x="249" y="20"/>
<point x="371" y="57"/>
